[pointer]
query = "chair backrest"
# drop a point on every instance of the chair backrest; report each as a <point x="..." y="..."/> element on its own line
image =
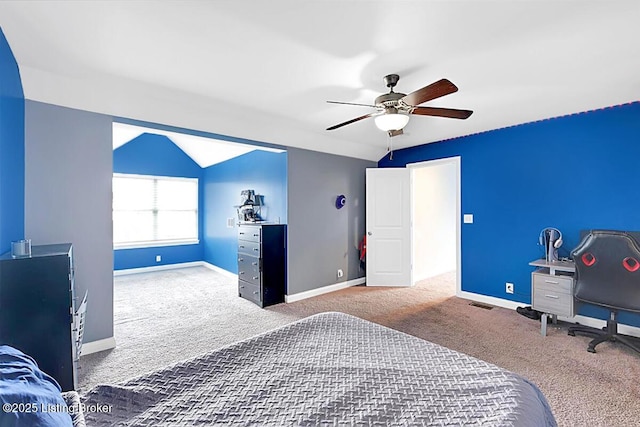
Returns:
<point x="608" y="270"/>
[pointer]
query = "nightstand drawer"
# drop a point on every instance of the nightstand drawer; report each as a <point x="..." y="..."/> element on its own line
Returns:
<point x="550" y="301"/>
<point x="559" y="283"/>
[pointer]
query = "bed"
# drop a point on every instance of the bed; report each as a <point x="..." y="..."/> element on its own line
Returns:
<point x="30" y="397"/>
<point x="327" y="369"/>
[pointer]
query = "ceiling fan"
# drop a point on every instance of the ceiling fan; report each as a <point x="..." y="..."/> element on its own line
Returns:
<point x="394" y="108"/>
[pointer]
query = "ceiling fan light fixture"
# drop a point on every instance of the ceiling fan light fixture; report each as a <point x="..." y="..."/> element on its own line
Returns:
<point x="391" y="121"/>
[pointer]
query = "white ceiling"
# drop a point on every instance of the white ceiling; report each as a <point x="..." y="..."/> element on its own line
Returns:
<point x="204" y="151"/>
<point x="262" y="70"/>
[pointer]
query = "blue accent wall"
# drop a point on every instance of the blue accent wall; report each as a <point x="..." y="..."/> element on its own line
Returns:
<point x="574" y="172"/>
<point x="261" y="171"/>
<point x="11" y="148"/>
<point x="151" y="154"/>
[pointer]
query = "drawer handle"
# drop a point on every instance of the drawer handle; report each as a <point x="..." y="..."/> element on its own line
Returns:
<point x="254" y="263"/>
<point x="240" y="259"/>
<point x="242" y="246"/>
<point x="241" y="286"/>
<point x="241" y="233"/>
<point x="256" y="235"/>
<point x="242" y="272"/>
<point x="552" y="296"/>
<point x="256" y="249"/>
<point x="255" y="292"/>
<point x="553" y="282"/>
<point x="256" y="277"/>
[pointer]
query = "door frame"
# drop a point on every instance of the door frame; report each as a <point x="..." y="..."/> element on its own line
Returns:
<point x="455" y="160"/>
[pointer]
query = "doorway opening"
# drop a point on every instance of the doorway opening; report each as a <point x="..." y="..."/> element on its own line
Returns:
<point x="436" y="216"/>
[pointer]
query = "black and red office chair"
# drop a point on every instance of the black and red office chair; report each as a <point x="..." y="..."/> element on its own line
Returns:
<point x="608" y="275"/>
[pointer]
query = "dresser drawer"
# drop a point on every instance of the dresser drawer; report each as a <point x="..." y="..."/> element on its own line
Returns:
<point x="250" y="291"/>
<point x="250" y="276"/>
<point x="249" y="248"/>
<point x="248" y="266"/>
<point x="249" y="233"/>
<point x="559" y="283"/>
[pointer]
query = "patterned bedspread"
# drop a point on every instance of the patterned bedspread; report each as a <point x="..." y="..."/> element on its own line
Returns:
<point x="328" y="369"/>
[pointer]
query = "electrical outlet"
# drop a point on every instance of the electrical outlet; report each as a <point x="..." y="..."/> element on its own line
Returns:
<point x="509" y="288"/>
<point x="158" y="258"/>
<point x="340" y="273"/>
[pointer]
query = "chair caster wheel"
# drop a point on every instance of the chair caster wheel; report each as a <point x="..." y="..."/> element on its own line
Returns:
<point x="571" y="333"/>
<point x="591" y="350"/>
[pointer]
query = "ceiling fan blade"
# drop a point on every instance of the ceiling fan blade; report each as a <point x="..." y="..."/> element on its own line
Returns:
<point x="351" y="103"/>
<point x="442" y="112"/>
<point x="395" y="132"/>
<point x="350" y="121"/>
<point x="434" y="90"/>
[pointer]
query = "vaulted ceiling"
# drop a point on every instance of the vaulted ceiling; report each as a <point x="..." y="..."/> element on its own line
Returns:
<point x="262" y="70"/>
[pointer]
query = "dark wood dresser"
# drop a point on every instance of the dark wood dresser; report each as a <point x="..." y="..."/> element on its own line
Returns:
<point x="37" y="304"/>
<point x="262" y="273"/>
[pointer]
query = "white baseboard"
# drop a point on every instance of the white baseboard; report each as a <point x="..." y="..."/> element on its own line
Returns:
<point x="99" y="345"/>
<point x="166" y="267"/>
<point x="323" y="290"/>
<point x="583" y="320"/>
<point x="219" y="270"/>
<point x="599" y="323"/>
<point x="498" y="302"/>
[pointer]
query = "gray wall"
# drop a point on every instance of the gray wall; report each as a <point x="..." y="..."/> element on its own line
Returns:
<point x="68" y="172"/>
<point x="321" y="238"/>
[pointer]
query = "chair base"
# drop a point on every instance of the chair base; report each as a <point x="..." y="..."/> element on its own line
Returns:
<point x="608" y="333"/>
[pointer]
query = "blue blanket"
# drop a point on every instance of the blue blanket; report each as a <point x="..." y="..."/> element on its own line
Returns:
<point x="29" y="397"/>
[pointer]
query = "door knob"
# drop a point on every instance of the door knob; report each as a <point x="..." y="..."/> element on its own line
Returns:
<point x="369" y="233"/>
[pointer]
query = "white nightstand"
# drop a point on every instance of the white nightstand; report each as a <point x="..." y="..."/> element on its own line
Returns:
<point x="552" y="290"/>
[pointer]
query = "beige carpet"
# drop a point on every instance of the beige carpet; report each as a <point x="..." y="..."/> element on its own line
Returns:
<point x="168" y="316"/>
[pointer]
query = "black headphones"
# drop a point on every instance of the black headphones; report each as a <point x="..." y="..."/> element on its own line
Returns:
<point x="547" y="230"/>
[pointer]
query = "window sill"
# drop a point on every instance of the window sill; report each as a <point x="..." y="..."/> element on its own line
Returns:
<point x="155" y="244"/>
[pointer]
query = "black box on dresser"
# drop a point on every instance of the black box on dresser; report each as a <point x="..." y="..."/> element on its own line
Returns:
<point x="262" y="277"/>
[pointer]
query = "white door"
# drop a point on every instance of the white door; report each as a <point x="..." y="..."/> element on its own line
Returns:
<point x="388" y="223"/>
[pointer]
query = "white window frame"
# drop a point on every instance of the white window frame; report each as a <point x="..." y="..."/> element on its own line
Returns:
<point x="160" y="242"/>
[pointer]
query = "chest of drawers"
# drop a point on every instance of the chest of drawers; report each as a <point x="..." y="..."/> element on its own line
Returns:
<point x="37" y="306"/>
<point x="262" y="263"/>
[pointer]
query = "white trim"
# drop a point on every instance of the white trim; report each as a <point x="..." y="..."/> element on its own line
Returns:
<point x="324" y="290"/>
<point x="219" y="270"/>
<point x="455" y="160"/>
<point x="583" y="320"/>
<point x="157" y="268"/>
<point x="484" y="299"/>
<point x="163" y="177"/>
<point x="98" y="345"/>
<point x="155" y="244"/>
<point x="599" y="323"/>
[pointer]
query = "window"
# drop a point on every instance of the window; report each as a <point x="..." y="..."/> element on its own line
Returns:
<point x="154" y="210"/>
